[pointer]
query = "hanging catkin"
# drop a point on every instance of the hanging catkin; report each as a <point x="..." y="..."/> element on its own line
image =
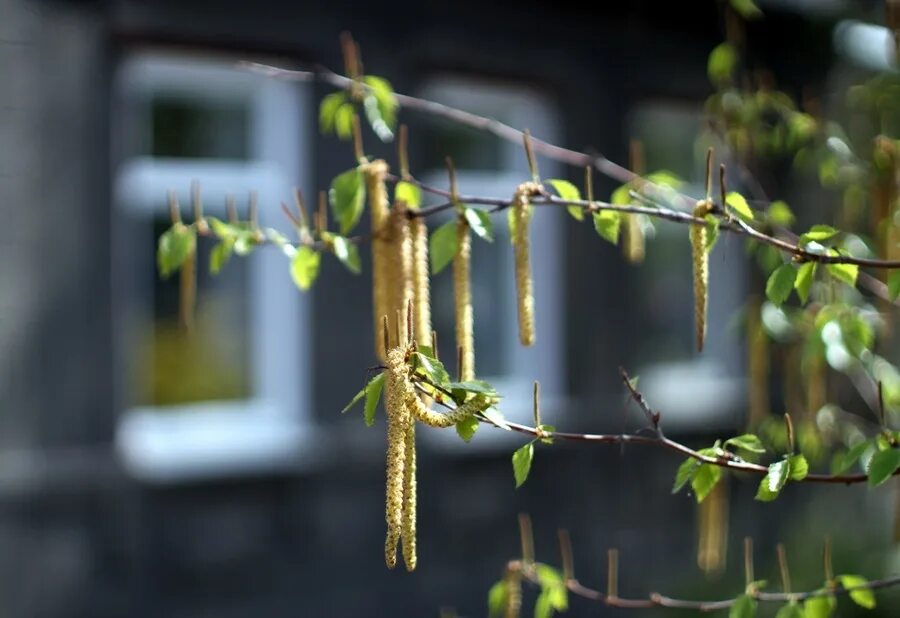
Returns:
<point x="462" y="298"/>
<point x="513" y="581"/>
<point x="408" y="527"/>
<point x="712" y="533"/>
<point x="757" y="366"/>
<point x="421" y="283"/>
<point x="700" y="258"/>
<point x="374" y="174"/>
<point x="633" y="245"/>
<point x="398" y="269"/>
<point x="524" y="282"/>
<point x="397" y="426"/>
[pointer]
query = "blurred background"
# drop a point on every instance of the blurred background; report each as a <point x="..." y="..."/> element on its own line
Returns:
<point x="145" y="472"/>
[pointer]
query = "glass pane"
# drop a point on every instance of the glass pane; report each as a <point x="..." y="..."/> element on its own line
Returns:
<point x="211" y="361"/>
<point x="186" y="127"/>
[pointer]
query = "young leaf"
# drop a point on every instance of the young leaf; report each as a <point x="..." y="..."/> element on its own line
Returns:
<point x="818" y="233"/>
<point x="373" y="395"/>
<point x="799" y="467"/>
<point x="747" y="9"/>
<point x="864" y="597"/>
<point x="739" y="204"/>
<point x="704" y="480"/>
<point x="844" y="272"/>
<point x="328" y="110"/>
<point x="883" y="465"/>
<point x="805" y="275"/>
<point x="521" y="462"/>
<point x="606" y="223"/>
<point x="347" y="196"/>
<point x="747" y="442"/>
<point x="385" y="98"/>
<point x="175" y="246"/>
<point x="305" y="267"/>
<point x="721" y="63"/>
<point x="686" y="472"/>
<point x="376" y="119"/>
<point x="712" y="232"/>
<point x="497" y="600"/>
<point x="347" y="253"/>
<point x="820" y="607"/>
<point x="466" y="428"/>
<point x="744" y="607"/>
<point x="480" y="223"/>
<point x="843" y="461"/>
<point x="791" y="610"/>
<point x="780" y="213"/>
<point x="409" y="194"/>
<point x="780" y="284"/>
<point x="773" y="482"/>
<point x="567" y="191"/>
<point x="494" y="415"/>
<point x="442" y="246"/>
<point x="433" y="369"/>
<point x="343" y="121"/>
<point x="220" y="255"/>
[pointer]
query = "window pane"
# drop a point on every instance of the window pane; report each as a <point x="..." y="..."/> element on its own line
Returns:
<point x="185" y="127"/>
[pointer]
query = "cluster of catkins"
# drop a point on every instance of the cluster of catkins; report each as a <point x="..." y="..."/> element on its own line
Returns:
<point x="401" y="293"/>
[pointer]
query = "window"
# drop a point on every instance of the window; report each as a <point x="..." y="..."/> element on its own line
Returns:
<point x="488" y="166"/>
<point x="232" y="396"/>
<point x="700" y="391"/>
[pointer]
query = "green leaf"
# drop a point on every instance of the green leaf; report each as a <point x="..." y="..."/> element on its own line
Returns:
<point x="543" y="607"/>
<point x="864" y="597"/>
<point x="791" y="610"/>
<point x="480" y="223"/>
<point x="773" y="482"/>
<point x="375" y="118"/>
<point x="744" y="607"/>
<point x="343" y="121"/>
<point x="347" y="252"/>
<point x="223" y="230"/>
<point x="780" y="213"/>
<point x="818" y="233"/>
<point x="442" y="246"/>
<point x="356" y="398"/>
<point x="497" y="600"/>
<point x="521" y="461"/>
<point x="712" y="232"/>
<point x="373" y="395"/>
<point x="820" y="607"/>
<point x="496" y="417"/>
<point x="433" y="369"/>
<point x="883" y="465"/>
<point x="305" y="267"/>
<point x="176" y="245"/>
<point x="244" y="242"/>
<point x="347" y="196"/>
<point x="704" y="480"/>
<point x="894" y="285"/>
<point x="385" y="98"/>
<point x="621" y="196"/>
<point x="409" y="194"/>
<point x="220" y="255"/>
<point x="686" y="472"/>
<point x="843" y="461"/>
<point x="721" y="64"/>
<point x="665" y="178"/>
<point x="328" y="110"/>
<point x="805" y="275"/>
<point x="780" y="284"/>
<point x="606" y="223"/>
<point x="844" y="272"/>
<point x="739" y="204"/>
<point x="747" y="442"/>
<point x="466" y="428"/>
<point x="567" y="191"/>
<point x="746" y="9"/>
<point x="799" y="467"/>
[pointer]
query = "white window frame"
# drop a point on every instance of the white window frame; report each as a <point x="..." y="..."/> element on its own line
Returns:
<point x="521" y="107"/>
<point x="264" y="432"/>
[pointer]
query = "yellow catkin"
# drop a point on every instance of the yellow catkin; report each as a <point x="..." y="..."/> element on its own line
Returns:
<point x="397" y="424"/>
<point x="524" y="281"/>
<point x="399" y="283"/>
<point x="376" y="190"/>
<point x="700" y="259"/>
<point x="408" y="529"/>
<point x="513" y="580"/>
<point x="421" y="281"/>
<point x="188" y="291"/>
<point x="462" y="298"/>
<point x="712" y="542"/>
<point x="633" y="241"/>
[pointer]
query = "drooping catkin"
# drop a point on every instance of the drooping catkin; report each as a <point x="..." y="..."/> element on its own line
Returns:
<point x="397" y="426"/>
<point x="513" y="581"/>
<point x="462" y="299"/>
<point x="524" y="281"/>
<point x="376" y="190"/>
<point x="421" y="281"/>
<point x="700" y="258"/>
<point x="757" y="366"/>
<point x="399" y="283"/>
<point x="633" y="245"/>
<point x="712" y="541"/>
<point x="408" y="529"/>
